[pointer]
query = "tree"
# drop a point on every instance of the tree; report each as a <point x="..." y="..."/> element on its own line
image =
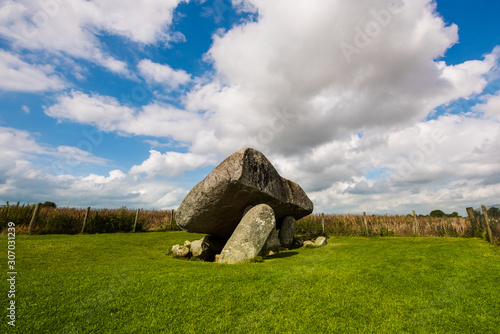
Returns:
<point x="453" y="215"/>
<point x="437" y="213"/>
<point x="48" y="204"/>
<point x="493" y="212"/>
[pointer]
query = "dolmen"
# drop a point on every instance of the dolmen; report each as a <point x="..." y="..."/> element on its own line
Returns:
<point x="241" y="205"/>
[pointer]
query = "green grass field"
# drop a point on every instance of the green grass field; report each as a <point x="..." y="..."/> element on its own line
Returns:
<point x="126" y="283"/>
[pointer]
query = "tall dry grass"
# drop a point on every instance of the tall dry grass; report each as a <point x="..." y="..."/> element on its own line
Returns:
<point x="70" y="221"/>
<point x="393" y="225"/>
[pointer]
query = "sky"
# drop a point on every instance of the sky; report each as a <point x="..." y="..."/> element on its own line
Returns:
<point x="370" y="105"/>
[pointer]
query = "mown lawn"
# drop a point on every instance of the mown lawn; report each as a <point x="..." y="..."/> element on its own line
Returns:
<point x="126" y="283"/>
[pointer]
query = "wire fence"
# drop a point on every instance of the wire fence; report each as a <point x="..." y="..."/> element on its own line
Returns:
<point x="400" y="225"/>
<point x="52" y="220"/>
<point x="48" y="219"/>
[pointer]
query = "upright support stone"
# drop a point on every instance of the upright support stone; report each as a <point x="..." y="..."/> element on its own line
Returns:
<point x="287" y="232"/>
<point x="272" y="243"/>
<point x="250" y="235"/>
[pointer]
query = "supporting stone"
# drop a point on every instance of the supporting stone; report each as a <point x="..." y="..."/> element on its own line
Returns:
<point x="272" y="244"/>
<point x="250" y="235"/>
<point x="297" y="243"/>
<point x="287" y="231"/>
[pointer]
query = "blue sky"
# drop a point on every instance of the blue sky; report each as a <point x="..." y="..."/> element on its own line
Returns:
<point x="376" y="106"/>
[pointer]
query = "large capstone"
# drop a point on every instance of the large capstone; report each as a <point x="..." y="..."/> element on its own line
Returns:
<point x="216" y="205"/>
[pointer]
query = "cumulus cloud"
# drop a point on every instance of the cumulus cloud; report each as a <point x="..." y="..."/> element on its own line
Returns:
<point x="331" y="91"/>
<point x="26" y="174"/>
<point x="171" y="163"/>
<point x="106" y="113"/>
<point x="451" y="158"/>
<point x="16" y="145"/>
<point x="78" y="155"/>
<point x="327" y="116"/>
<point x="116" y="189"/>
<point x="73" y="27"/>
<point x="20" y="76"/>
<point x="491" y="108"/>
<point x="162" y="74"/>
<point x="20" y="147"/>
<point x="291" y="60"/>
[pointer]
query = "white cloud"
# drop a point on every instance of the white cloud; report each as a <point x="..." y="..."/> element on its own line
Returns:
<point x="469" y="77"/>
<point x="99" y="179"/>
<point x="163" y="74"/>
<point x="20" y="149"/>
<point x="290" y="60"/>
<point x="171" y="163"/>
<point x="16" y="145"/>
<point x="491" y="108"/>
<point x="450" y="158"/>
<point x="107" y="114"/>
<point x="26" y="174"/>
<point x="452" y="196"/>
<point x="285" y="85"/>
<point x="73" y="27"/>
<point x="117" y="189"/>
<point x="78" y="155"/>
<point x="156" y="143"/>
<point x="19" y="76"/>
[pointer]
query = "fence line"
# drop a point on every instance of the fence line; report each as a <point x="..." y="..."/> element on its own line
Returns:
<point x="85" y="219"/>
<point x="39" y="219"/>
<point x="135" y="222"/>
<point x="34" y="218"/>
<point x="409" y="225"/>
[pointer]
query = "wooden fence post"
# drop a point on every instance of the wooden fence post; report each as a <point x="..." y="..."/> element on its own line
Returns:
<point x="416" y="229"/>
<point x="487" y="221"/>
<point x="366" y="224"/>
<point x="472" y="219"/>
<point x="136" y="217"/>
<point x="85" y="219"/>
<point x="34" y="217"/>
<point x="171" y="218"/>
<point x="323" y="222"/>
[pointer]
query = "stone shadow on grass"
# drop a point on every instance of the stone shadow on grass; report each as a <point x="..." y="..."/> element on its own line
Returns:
<point x="281" y="255"/>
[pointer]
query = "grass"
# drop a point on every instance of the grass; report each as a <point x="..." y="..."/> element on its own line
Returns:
<point x="125" y="283"/>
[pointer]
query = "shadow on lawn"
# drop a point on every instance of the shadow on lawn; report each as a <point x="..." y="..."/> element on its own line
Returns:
<point x="281" y="255"/>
